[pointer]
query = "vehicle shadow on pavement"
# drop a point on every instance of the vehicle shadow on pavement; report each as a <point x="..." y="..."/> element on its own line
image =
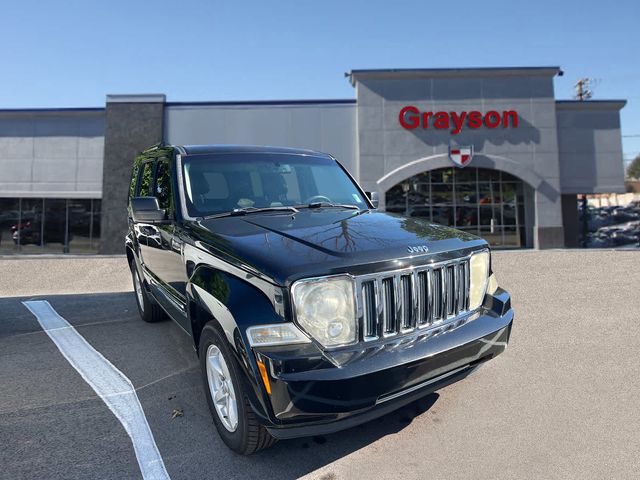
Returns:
<point x="298" y="457"/>
<point x="160" y="361"/>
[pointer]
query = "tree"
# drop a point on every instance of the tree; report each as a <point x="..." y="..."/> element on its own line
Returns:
<point x="633" y="170"/>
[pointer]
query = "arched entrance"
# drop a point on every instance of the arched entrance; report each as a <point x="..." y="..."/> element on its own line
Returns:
<point x="489" y="203"/>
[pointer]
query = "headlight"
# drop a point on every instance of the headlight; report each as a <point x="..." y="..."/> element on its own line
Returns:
<point x="479" y="267"/>
<point x="325" y="309"/>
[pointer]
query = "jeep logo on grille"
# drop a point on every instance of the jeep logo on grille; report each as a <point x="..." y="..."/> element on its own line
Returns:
<point x="418" y="249"/>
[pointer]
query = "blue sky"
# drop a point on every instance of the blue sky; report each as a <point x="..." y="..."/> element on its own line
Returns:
<point x="72" y="53"/>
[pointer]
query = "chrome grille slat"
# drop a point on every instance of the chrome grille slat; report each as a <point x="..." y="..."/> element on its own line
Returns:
<point x="439" y="295"/>
<point x="428" y="285"/>
<point x="399" y="304"/>
<point x="379" y="307"/>
<point x="450" y="285"/>
<point x="467" y="285"/>
<point x="408" y="315"/>
<point x="416" y="289"/>
<point x="393" y="303"/>
<point x="388" y="306"/>
<point x="461" y="288"/>
<point x="445" y="293"/>
<point x="369" y="313"/>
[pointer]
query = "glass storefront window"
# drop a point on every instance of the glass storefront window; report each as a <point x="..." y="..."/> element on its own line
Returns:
<point x="467" y="217"/>
<point x="49" y="225"/>
<point x="9" y="219"/>
<point x="29" y="231"/>
<point x="485" y="202"/>
<point x="489" y="215"/>
<point x="442" y="175"/>
<point x="441" y="193"/>
<point x="54" y="226"/>
<point x="485" y="175"/>
<point x="95" y="231"/>
<point x="466" y="194"/>
<point x="469" y="175"/>
<point x="443" y="215"/>
<point x="82" y="226"/>
<point x="511" y="237"/>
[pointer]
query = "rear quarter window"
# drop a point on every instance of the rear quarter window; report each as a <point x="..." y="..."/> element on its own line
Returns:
<point x="134" y="177"/>
<point x="145" y="188"/>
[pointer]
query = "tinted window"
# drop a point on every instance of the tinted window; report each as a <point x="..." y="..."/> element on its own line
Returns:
<point x="220" y="183"/>
<point x="134" y="178"/>
<point x="146" y="180"/>
<point x="163" y="185"/>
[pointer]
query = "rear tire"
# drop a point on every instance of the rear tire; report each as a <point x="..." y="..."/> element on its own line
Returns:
<point x="221" y="376"/>
<point x="149" y="310"/>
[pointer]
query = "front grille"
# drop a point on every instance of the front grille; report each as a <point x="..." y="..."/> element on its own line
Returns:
<point x="392" y="303"/>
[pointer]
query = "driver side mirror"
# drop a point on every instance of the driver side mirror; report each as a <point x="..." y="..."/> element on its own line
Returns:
<point x="375" y="198"/>
<point x="147" y="210"/>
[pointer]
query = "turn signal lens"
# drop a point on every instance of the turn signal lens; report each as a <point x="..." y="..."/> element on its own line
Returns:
<point x="277" y="334"/>
<point x="493" y="284"/>
<point x="265" y="377"/>
<point x="479" y="266"/>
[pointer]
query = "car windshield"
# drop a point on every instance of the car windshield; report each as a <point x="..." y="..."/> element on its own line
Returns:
<point x="221" y="183"/>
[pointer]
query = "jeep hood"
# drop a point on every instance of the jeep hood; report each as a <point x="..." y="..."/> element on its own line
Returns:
<point x="324" y="241"/>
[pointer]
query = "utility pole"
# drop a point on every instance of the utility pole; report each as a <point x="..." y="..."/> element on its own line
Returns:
<point x="583" y="90"/>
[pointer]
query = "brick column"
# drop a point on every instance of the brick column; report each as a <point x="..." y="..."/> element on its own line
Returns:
<point x="133" y="123"/>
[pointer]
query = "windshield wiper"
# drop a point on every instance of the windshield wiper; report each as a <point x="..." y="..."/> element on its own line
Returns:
<point x="247" y="210"/>
<point x="331" y="205"/>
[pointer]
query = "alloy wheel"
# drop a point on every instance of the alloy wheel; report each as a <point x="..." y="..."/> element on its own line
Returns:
<point x="221" y="388"/>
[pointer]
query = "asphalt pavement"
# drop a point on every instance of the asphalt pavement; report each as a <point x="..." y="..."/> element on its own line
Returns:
<point x="561" y="402"/>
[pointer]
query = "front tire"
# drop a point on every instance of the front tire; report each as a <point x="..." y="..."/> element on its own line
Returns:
<point x="149" y="311"/>
<point x="228" y="401"/>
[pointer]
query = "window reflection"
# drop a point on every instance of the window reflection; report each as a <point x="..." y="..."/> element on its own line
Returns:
<point x="50" y="225"/>
<point x="481" y="201"/>
<point x="54" y="228"/>
<point x="80" y="226"/>
<point x="28" y="231"/>
<point x="9" y="217"/>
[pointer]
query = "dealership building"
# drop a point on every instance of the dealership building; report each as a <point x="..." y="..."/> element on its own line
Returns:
<point x="487" y="150"/>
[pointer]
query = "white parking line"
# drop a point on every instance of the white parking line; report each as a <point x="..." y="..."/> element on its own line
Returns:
<point x="109" y="383"/>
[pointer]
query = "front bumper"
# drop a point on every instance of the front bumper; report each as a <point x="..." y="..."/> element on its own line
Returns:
<point x="312" y="394"/>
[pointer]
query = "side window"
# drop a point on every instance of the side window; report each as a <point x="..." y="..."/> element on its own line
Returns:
<point x="163" y="185"/>
<point x="134" y="178"/>
<point x="146" y="180"/>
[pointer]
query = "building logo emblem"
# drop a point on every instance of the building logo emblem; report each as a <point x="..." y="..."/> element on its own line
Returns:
<point x="461" y="156"/>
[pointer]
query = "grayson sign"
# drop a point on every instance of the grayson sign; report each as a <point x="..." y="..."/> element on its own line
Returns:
<point x="411" y="117"/>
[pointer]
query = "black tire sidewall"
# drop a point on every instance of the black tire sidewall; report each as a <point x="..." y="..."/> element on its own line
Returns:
<point x="142" y="309"/>
<point x="238" y="439"/>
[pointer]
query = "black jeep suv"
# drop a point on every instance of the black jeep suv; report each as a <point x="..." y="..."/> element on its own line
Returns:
<point x="310" y="310"/>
